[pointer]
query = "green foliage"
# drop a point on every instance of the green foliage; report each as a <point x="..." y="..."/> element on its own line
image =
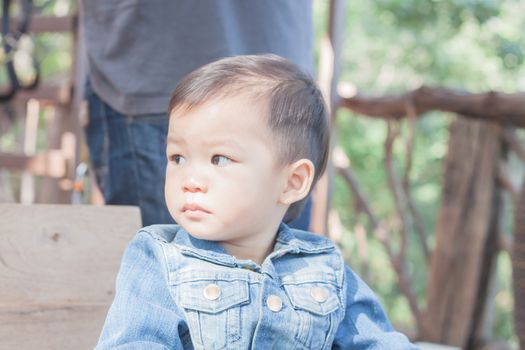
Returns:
<point x="450" y="14"/>
<point x="54" y="54"/>
<point x="475" y="45"/>
<point x="503" y="301"/>
<point x="391" y="46"/>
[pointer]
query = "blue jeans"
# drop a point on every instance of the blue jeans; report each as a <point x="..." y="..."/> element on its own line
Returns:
<point x="128" y="157"/>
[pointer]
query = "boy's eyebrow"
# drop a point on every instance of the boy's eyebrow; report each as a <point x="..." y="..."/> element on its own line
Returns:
<point x="223" y="142"/>
<point x="173" y="139"/>
<point x="211" y="143"/>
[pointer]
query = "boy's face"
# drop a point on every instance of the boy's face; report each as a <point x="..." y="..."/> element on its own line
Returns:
<point x="223" y="182"/>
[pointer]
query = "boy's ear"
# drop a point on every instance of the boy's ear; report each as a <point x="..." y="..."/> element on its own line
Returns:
<point x="300" y="176"/>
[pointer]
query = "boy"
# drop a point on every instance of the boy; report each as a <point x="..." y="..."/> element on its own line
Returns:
<point x="248" y="138"/>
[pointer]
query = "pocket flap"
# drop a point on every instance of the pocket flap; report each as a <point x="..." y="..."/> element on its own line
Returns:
<point x="317" y="298"/>
<point x="224" y="295"/>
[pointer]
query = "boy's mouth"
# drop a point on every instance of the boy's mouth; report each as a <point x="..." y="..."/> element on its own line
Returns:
<point x="194" y="207"/>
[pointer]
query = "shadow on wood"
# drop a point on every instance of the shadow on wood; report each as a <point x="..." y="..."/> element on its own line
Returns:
<point x="58" y="265"/>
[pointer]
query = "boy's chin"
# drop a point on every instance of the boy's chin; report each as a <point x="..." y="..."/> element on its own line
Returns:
<point x="200" y="231"/>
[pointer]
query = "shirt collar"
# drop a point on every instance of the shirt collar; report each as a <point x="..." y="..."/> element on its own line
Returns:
<point x="288" y="241"/>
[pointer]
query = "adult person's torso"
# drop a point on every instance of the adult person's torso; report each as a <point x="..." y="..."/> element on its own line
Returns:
<point x="138" y="50"/>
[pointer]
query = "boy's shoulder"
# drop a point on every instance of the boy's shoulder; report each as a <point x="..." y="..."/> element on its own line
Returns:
<point x="315" y="260"/>
<point x="175" y="240"/>
<point x="309" y="241"/>
<point x="162" y="233"/>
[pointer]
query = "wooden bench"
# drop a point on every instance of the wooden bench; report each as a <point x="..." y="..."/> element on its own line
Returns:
<point x="58" y="265"/>
<point x="432" y="346"/>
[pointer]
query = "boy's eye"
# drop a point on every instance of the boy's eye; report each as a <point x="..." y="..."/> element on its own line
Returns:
<point x="177" y="159"/>
<point x="220" y="160"/>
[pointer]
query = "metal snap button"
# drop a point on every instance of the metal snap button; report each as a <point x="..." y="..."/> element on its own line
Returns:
<point x="274" y="303"/>
<point x="319" y="294"/>
<point x="212" y="291"/>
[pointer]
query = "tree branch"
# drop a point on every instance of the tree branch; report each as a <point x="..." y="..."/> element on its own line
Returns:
<point x="420" y="227"/>
<point x="394" y="189"/>
<point x="504" y="180"/>
<point x="380" y="232"/>
<point x="492" y="106"/>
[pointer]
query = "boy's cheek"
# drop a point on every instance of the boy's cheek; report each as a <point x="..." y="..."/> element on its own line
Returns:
<point x="170" y="193"/>
<point x="171" y="173"/>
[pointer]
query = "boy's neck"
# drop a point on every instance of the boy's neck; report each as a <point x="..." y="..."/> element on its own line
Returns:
<point x="255" y="250"/>
<point x="240" y="253"/>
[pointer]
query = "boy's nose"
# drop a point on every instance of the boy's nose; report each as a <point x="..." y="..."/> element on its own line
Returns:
<point x="193" y="185"/>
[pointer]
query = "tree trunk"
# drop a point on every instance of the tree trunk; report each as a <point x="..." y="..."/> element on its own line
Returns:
<point x="465" y="235"/>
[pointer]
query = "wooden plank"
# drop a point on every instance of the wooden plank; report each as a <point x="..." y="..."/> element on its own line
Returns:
<point x="433" y="346"/>
<point x="62" y="254"/>
<point x="58" y="265"/>
<point x="67" y="327"/>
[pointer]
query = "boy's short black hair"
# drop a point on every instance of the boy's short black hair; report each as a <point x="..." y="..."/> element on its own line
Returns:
<point x="297" y="113"/>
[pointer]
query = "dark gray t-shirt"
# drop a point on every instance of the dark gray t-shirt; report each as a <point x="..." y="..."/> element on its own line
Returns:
<point x="138" y="50"/>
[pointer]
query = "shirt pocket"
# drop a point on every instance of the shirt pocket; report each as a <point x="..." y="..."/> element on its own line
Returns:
<point x="317" y="308"/>
<point x="213" y="311"/>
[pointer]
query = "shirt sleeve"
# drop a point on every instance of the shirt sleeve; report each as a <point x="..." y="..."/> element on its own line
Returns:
<point x="143" y="313"/>
<point x="365" y="324"/>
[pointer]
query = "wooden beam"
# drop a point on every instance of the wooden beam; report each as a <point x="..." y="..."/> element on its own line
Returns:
<point x="492" y="106"/>
<point x="46" y="93"/>
<point x="46" y="24"/>
<point x="51" y="163"/>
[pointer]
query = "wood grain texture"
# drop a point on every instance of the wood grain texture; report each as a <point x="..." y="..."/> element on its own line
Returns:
<point x="59" y="327"/>
<point x="491" y="106"/>
<point x="58" y="265"/>
<point x="518" y="268"/>
<point x="463" y="230"/>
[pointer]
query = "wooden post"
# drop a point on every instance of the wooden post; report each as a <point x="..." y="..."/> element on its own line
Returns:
<point x="465" y="235"/>
<point x="328" y="77"/>
<point x="27" y="186"/>
<point x="518" y="267"/>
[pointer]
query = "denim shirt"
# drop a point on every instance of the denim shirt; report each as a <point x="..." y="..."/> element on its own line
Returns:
<point x="178" y="292"/>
